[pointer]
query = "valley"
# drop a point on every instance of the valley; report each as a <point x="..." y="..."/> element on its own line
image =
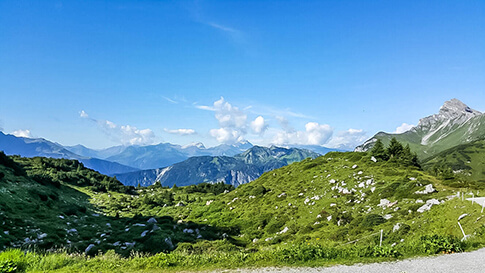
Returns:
<point x="263" y="207"/>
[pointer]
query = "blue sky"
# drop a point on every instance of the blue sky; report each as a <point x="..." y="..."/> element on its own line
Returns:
<point x="103" y="73"/>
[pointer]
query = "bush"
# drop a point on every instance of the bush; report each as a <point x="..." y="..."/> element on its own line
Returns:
<point x="440" y="244"/>
<point x="385" y="251"/>
<point x="372" y="220"/>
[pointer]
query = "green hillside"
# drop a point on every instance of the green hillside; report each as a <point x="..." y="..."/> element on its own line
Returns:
<point x="315" y="212"/>
<point x="466" y="161"/>
<point x="51" y="204"/>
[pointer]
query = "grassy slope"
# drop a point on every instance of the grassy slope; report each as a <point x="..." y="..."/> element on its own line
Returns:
<point x="467" y="159"/>
<point x="258" y="210"/>
<point x="261" y="209"/>
<point x="39" y="215"/>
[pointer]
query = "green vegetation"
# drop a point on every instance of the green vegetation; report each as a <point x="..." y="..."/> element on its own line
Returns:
<point x="396" y="152"/>
<point x="315" y="212"/>
<point x="464" y="162"/>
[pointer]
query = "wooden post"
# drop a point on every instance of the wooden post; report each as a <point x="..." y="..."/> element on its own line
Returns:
<point x="380" y="242"/>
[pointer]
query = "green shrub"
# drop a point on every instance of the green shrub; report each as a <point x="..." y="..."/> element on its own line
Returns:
<point x="385" y="251"/>
<point x="372" y="220"/>
<point x="440" y="244"/>
<point x="12" y="261"/>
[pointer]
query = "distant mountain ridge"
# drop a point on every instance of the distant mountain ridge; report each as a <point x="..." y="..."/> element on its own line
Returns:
<point x="159" y="155"/>
<point x="455" y="124"/>
<point x="237" y="170"/>
<point x="32" y="147"/>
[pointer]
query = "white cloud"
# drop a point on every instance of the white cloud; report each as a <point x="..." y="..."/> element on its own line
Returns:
<point x="124" y="134"/>
<point x="403" y="128"/>
<point x="347" y="140"/>
<point x="228" y="115"/>
<point x="22" y="133"/>
<point x="170" y="100"/>
<point x="259" y="125"/>
<point x="83" y="114"/>
<point x="233" y="122"/>
<point x="205" y="107"/>
<point x="314" y="134"/>
<point x="223" y="28"/>
<point x="182" y="131"/>
<point x="227" y="135"/>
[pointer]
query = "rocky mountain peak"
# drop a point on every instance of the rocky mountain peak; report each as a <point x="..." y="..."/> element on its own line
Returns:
<point x="452" y="112"/>
<point x="455" y="107"/>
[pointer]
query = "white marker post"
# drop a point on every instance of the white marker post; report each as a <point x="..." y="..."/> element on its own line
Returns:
<point x="462" y="231"/>
<point x="473" y="197"/>
<point x="483" y="205"/>
<point x="380" y="242"/>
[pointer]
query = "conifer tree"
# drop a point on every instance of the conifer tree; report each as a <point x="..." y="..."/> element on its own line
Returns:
<point x="378" y="151"/>
<point x="395" y="148"/>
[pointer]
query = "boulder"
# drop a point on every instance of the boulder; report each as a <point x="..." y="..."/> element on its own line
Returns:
<point x="152" y="220"/>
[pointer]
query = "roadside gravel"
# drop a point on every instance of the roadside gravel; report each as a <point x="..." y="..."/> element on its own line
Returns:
<point x="469" y="262"/>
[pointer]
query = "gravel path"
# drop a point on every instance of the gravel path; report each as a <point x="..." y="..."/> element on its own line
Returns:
<point x="469" y="262"/>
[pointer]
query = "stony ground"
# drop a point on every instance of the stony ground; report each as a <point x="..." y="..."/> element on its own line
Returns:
<point x="470" y="262"/>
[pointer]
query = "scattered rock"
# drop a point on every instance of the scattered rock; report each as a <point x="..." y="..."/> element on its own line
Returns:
<point x="255" y="240"/>
<point x="155" y="227"/>
<point x="130" y="244"/>
<point x="428" y="189"/>
<point x="139" y="225"/>
<point x="283" y="231"/>
<point x="42" y="236"/>
<point x="462" y="216"/>
<point x="72" y="230"/>
<point x="89" y="248"/>
<point x="209" y="202"/>
<point x="282" y="194"/>
<point x="396" y="227"/>
<point x="144" y="233"/>
<point x="384" y="203"/>
<point x="354" y="166"/>
<point x="188" y="230"/>
<point x="373" y="159"/>
<point x="152" y="220"/>
<point x="428" y="205"/>
<point x="180" y="204"/>
<point x="168" y="241"/>
<point x="387" y="216"/>
<point x="117" y="243"/>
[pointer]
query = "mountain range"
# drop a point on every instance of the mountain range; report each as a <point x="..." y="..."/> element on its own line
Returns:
<point x="240" y="169"/>
<point x="129" y="159"/>
<point x="32" y="147"/>
<point x="454" y="124"/>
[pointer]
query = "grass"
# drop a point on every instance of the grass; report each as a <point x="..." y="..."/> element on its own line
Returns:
<point x="313" y="213"/>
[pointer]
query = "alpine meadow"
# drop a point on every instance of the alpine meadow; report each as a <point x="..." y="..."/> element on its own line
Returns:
<point x="236" y="136"/>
